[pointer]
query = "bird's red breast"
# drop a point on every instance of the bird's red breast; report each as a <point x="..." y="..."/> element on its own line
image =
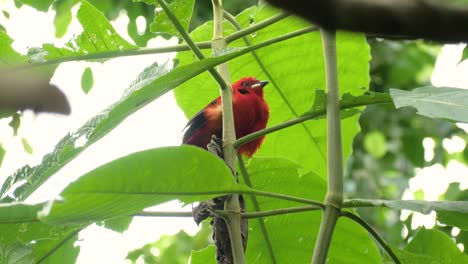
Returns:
<point x="251" y="114"/>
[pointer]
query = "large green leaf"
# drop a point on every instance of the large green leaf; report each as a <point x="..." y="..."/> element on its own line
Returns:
<point x="293" y="236"/>
<point x="139" y="180"/>
<point x="153" y="82"/>
<point x="296" y="68"/>
<point x="431" y="247"/>
<point x="61" y="250"/>
<point x="435" y="102"/>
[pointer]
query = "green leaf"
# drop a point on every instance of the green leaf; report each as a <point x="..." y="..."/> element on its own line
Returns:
<point x="2" y="154"/>
<point x="435" y="102"/>
<point x="51" y="251"/>
<point x="118" y="224"/>
<point x="18" y="222"/>
<point x="98" y="35"/>
<point x="15" y="123"/>
<point x="174" y="249"/>
<point x="128" y="185"/>
<point x="464" y="54"/>
<point x="6" y="14"/>
<point x="16" y="253"/>
<point x="26" y="146"/>
<point x="19" y="213"/>
<point x="294" y="77"/>
<point x="454" y="219"/>
<point x="424" y="207"/>
<point x="375" y="144"/>
<point x="204" y="256"/>
<point x="8" y="56"/>
<point x="41" y="5"/>
<point x="182" y="9"/>
<point x="63" y="16"/>
<point x="153" y="82"/>
<point x="295" y="243"/>
<point x="87" y="80"/>
<point x="436" y="245"/>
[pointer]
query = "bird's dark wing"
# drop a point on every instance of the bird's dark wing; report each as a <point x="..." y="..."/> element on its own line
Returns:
<point x="196" y="123"/>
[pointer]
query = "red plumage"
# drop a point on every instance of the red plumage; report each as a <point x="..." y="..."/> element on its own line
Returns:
<point x="251" y="114"/>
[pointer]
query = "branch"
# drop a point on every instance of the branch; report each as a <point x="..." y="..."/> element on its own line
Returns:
<point x="246" y="31"/>
<point x="316" y="113"/>
<point x="409" y="19"/>
<point x="164" y="214"/>
<point x="334" y="197"/>
<point x="374" y="234"/>
<point x="232" y="204"/>
<point x="281" y="212"/>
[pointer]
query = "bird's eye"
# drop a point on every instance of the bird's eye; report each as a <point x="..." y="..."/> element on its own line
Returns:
<point x="243" y="91"/>
<point x="244" y="84"/>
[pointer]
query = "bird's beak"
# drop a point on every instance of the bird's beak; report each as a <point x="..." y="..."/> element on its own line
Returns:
<point x="260" y="84"/>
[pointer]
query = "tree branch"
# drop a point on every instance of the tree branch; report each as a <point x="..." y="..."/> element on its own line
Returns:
<point x="334" y="197"/>
<point x="410" y="19"/>
<point x="308" y="116"/>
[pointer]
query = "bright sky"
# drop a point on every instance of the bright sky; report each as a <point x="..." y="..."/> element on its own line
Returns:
<point x="158" y="124"/>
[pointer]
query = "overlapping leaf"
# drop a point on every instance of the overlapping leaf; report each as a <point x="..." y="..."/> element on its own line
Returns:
<point x="139" y="180"/>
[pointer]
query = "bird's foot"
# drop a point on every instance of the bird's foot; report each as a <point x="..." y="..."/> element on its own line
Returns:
<point x="216" y="146"/>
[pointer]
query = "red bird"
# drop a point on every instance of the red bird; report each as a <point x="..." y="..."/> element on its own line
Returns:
<point x="251" y="114"/>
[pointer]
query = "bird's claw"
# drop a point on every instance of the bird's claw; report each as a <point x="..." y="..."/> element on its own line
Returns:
<point x="216" y="146"/>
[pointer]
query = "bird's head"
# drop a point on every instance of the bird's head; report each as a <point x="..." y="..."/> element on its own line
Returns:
<point x="249" y="85"/>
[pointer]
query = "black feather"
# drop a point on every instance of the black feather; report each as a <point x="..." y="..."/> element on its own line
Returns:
<point x="195" y="123"/>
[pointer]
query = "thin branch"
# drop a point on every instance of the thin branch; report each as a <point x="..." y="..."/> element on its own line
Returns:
<point x="164" y="214"/>
<point x="308" y="116"/>
<point x="334" y="197"/>
<point x="374" y="234"/>
<point x="110" y="55"/>
<point x="281" y="211"/>
<point x="256" y="206"/>
<point x="190" y="42"/>
<point x="246" y="31"/>
<point x="284" y="197"/>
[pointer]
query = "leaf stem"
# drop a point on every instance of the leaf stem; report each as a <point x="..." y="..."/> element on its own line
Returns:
<point x="215" y="74"/>
<point x="256" y="206"/>
<point x="244" y="32"/>
<point x="334" y="197"/>
<point x="281" y="211"/>
<point x="164" y="214"/>
<point x="374" y="234"/>
<point x="307" y="116"/>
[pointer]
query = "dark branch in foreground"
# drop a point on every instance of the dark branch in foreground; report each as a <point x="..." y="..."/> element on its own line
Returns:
<point x="410" y="19"/>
